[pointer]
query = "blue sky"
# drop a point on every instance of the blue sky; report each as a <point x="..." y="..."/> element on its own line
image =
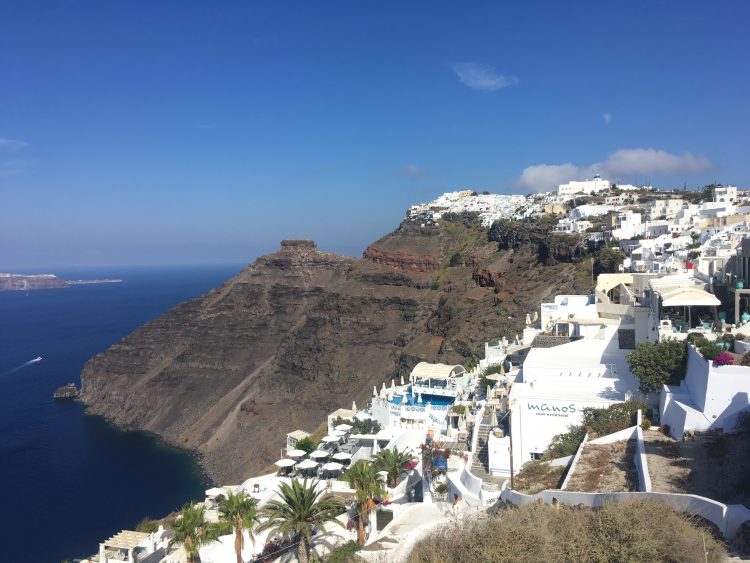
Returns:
<point x="187" y="132"/>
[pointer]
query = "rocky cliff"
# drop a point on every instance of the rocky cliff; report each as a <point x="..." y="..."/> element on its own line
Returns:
<point x="301" y="332"/>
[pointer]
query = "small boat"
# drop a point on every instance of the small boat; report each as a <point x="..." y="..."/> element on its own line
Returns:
<point x="37" y="359"/>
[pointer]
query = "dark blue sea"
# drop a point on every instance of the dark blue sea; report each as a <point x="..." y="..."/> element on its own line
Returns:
<point x="70" y="480"/>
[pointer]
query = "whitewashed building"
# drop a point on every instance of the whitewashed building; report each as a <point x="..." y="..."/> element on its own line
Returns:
<point x="595" y="185"/>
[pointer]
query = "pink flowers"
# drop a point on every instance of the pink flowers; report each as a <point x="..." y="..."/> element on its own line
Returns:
<point x="411" y="464"/>
<point x="723" y="359"/>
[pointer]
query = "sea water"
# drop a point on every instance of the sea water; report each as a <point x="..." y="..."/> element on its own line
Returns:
<point x="70" y="480"/>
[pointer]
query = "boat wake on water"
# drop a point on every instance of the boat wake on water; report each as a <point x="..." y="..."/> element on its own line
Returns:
<point x="23" y="365"/>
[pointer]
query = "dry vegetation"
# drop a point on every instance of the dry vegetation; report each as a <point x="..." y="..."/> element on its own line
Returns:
<point x="712" y="464"/>
<point x="605" y="468"/>
<point x="537" y="476"/>
<point x="626" y="531"/>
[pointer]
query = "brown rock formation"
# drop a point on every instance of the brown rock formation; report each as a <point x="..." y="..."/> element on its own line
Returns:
<point x="301" y="332"/>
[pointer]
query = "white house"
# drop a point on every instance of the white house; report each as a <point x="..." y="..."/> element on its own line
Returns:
<point x="597" y="184"/>
<point x="708" y="398"/>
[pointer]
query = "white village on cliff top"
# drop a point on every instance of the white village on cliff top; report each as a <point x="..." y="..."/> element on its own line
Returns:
<point x="472" y="433"/>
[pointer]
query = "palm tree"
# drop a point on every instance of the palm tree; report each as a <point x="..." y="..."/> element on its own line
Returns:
<point x="367" y="483"/>
<point x="299" y="511"/>
<point x="394" y="462"/>
<point x="240" y="511"/>
<point x="191" y="530"/>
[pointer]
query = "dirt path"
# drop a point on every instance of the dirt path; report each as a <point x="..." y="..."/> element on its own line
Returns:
<point x="713" y="465"/>
<point x="605" y="468"/>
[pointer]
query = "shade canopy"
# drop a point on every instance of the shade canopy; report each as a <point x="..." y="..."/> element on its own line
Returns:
<point x="424" y="370"/>
<point x="307" y="464"/>
<point x="332" y="466"/>
<point x="689" y="297"/>
<point x="338" y="433"/>
<point x="296" y="453"/>
<point x="342" y="455"/>
<point x="285" y="463"/>
<point x="344" y="427"/>
<point x="330" y="439"/>
<point x="319" y="454"/>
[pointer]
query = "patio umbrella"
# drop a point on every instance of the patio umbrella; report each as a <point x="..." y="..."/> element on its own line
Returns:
<point x="332" y="466"/>
<point x="285" y="463"/>
<point x="344" y="427"/>
<point x="419" y="398"/>
<point x="354" y="406"/>
<point x="338" y="433"/>
<point x="296" y="453"/>
<point x="342" y="456"/>
<point x="307" y="464"/>
<point x="319" y="454"/>
<point x="374" y="391"/>
<point x="402" y="380"/>
<point x="330" y="439"/>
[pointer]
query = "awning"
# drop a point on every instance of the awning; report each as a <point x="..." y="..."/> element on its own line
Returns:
<point x="285" y="463"/>
<point x="689" y="297"/>
<point x="424" y="370"/>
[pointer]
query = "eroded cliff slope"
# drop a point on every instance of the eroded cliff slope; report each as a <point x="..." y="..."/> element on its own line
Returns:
<point x="301" y="332"/>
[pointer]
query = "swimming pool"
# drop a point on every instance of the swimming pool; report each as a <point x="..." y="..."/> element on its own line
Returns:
<point x="410" y="399"/>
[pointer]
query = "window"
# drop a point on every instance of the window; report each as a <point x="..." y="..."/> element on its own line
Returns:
<point x="535" y="456"/>
<point x="626" y="338"/>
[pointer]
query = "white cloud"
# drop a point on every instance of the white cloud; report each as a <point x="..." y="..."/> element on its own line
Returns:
<point x="619" y="165"/>
<point x="607" y="117"/>
<point x="542" y="177"/>
<point x="482" y="78"/>
<point x="12" y="144"/>
<point x="412" y="171"/>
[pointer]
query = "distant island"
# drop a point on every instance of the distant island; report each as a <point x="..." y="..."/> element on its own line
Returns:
<point x="28" y="282"/>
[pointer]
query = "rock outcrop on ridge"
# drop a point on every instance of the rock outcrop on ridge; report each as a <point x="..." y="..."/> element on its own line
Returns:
<point x="302" y="332"/>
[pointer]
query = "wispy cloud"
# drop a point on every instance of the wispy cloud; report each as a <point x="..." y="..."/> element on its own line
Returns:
<point x="607" y="117"/>
<point x="412" y="171"/>
<point x="623" y="163"/>
<point x="12" y="144"/>
<point x="482" y="78"/>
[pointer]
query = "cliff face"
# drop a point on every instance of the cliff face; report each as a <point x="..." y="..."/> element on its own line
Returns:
<point x="300" y="333"/>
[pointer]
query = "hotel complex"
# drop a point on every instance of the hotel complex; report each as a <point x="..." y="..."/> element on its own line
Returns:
<point x="684" y="274"/>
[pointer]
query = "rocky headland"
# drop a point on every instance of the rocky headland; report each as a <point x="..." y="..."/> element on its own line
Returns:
<point x="301" y="332"/>
<point x="29" y="282"/>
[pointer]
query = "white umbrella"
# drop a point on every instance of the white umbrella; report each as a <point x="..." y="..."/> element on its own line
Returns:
<point x="307" y="464"/>
<point x="402" y="379"/>
<point x="393" y="383"/>
<point x="374" y="391"/>
<point x="296" y="453"/>
<point x="342" y="456"/>
<point x="285" y="463"/>
<point x="419" y="398"/>
<point x="329" y="439"/>
<point x="338" y="433"/>
<point x="344" y="427"/>
<point x="319" y="454"/>
<point x="354" y="406"/>
<point x="332" y="466"/>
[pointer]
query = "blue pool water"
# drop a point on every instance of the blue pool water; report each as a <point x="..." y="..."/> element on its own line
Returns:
<point x="72" y="477"/>
<point x="413" y="399"/>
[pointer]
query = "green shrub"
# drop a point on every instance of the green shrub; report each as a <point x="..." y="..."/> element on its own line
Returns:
<point x="566" y="444"/>
<point x="710" y="350"/>
<point x="655" y="364"/>
<point x="306" y="444"/>
<point x="745" y="359"/>
<point x="696" y="339"/>
<point x="455" y="260"/>
<point x="344" y="553"/>
<point x="148" y="525"/>
<point x="646" y="424"/>
<point x="614" y="418"/>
